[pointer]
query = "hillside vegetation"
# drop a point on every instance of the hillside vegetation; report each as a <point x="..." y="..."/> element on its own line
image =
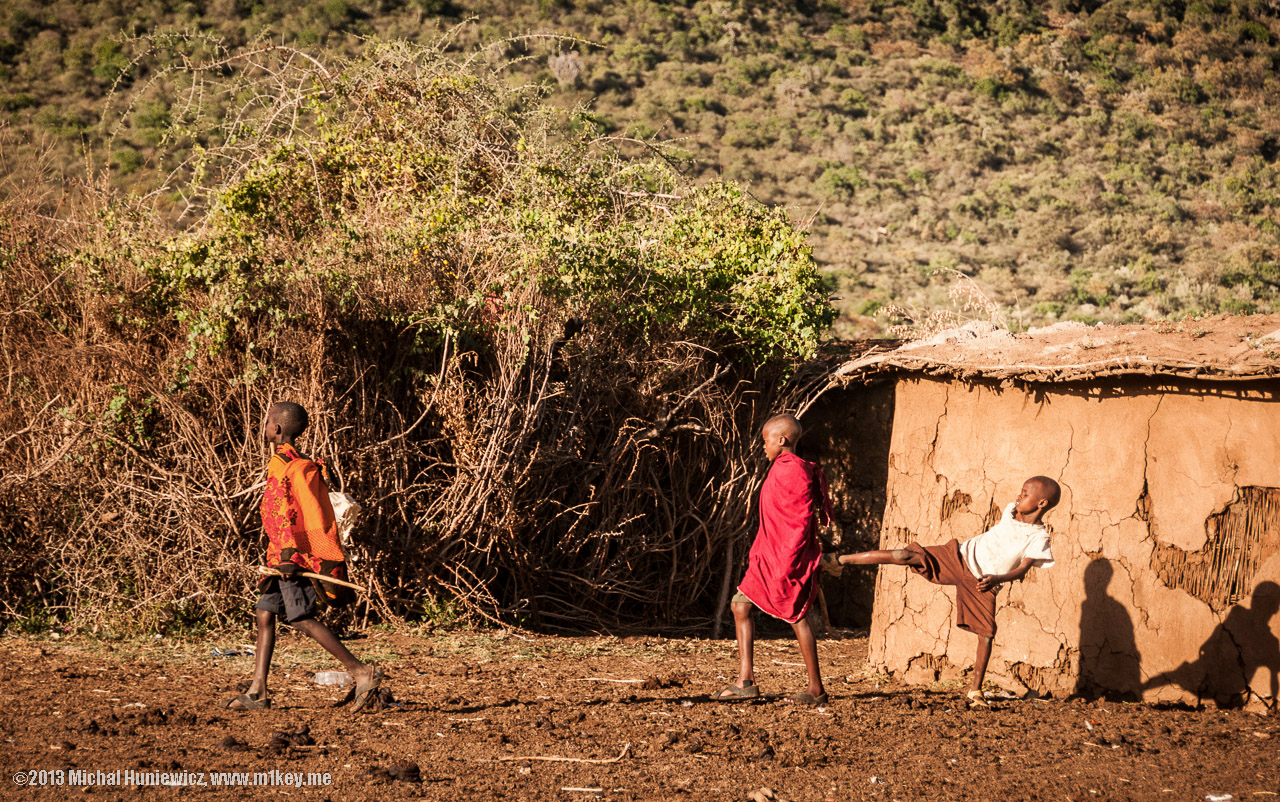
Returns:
<point x="1092" y="160"/>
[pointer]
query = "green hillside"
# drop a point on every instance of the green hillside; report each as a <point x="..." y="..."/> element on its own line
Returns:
<point x="1112" y="161"/>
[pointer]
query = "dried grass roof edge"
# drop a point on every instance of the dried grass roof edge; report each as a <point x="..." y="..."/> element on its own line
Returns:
<point x="1224" y="348"/>
<point x="874" y="366"/>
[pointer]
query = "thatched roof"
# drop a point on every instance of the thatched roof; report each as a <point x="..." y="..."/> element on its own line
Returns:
<point x="1224" y="348"/>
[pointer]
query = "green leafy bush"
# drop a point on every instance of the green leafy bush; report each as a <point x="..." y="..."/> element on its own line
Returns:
<point x="109" y="62"/>
<point x="842" y="180"/>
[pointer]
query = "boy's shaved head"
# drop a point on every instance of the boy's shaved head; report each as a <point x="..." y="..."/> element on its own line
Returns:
<point x="1049" y="490"/>
<point x="290" y="417"/>
<point x="785" y="425"/>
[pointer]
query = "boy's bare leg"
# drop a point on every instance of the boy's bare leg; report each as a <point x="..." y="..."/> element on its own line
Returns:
<point x="883" y="557"/>
<point x="980" y="663"/>
<point x="330" y="643"/>
<point x="809" y="651"/>
<point x="744" y="628"/>
<point x="262" y="653"/>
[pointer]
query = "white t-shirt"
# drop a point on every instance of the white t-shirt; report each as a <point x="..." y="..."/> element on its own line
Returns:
<point x="1003" y="546"/>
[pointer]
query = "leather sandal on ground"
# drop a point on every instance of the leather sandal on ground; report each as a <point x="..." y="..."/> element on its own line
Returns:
<point x="248" y="702"/>
<point x="736" y="693"/>
<point x="976" y="699"/>
<point x="364" y="692"/>
<point x="806" y="698"/>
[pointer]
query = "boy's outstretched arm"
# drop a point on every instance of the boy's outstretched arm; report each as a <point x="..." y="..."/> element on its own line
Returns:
<point x="989" y="581"/>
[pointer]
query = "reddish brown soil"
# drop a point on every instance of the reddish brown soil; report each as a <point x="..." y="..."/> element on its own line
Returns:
<point x="472" y="710"/>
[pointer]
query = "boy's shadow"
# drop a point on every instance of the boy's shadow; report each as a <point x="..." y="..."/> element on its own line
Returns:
<point x="1110" y="665"/>
<point x="1233" y="652"/>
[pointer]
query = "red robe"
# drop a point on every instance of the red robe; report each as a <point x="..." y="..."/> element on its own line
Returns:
<point x="782" y="571"/>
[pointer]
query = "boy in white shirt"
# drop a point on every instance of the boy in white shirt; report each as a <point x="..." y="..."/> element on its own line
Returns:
<point x="977" y="567"/>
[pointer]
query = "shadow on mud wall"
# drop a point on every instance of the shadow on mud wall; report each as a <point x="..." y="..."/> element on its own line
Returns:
<point x="1110" y="665"/>
<point x="848" y="432"/>
<point x="1233" y="653"/>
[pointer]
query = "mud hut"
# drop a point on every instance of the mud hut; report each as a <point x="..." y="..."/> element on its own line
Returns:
<point x="1166" y="440"/>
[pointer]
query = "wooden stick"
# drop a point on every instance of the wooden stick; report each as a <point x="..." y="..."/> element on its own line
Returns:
<point x="606" y="679"/>
<point x="822" y="608"/>
<point x="265" y="571"/>
<point x="620" y="756"/>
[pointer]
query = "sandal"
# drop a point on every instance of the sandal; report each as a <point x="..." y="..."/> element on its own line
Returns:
<point x="806" y="698"/>
<point x="736" y="693"/>
<point x="248" y="702"/>
<point x="363" y="693"/>
<point x="976" y="699"/>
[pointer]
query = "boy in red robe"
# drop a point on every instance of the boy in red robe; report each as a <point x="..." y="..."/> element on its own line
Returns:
<point x="783" y="567"/>
<point x="303" y="536"/>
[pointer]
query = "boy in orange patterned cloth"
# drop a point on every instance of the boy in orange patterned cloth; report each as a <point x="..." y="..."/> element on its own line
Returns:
<point x="302" y="535"/>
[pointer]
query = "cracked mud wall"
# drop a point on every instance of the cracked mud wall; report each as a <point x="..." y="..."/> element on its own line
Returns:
<point x="1166" y="541"/>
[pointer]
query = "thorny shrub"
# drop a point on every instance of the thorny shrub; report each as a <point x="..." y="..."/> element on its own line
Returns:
<point x="540" y="366"/>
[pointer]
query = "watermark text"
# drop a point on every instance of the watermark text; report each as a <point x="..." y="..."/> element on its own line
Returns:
<point x="147" y="778"/>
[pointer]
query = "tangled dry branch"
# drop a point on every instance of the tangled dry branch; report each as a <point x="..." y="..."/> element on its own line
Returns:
<point x="452" y="283"/>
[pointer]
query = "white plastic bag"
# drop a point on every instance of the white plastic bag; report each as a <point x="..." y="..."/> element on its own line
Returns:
<point x="346" y="510"/>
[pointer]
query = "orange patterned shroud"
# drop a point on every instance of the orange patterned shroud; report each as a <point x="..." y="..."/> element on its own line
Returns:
<point x="298" y="519"/>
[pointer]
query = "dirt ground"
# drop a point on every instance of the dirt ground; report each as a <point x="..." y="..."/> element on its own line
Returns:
<point x="507" y="715"/>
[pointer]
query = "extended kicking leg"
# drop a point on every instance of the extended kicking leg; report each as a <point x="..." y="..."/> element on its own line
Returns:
<point x="884" y="557"/>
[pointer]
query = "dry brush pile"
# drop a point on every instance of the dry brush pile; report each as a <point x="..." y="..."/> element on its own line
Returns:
<point x="541" y="366"/>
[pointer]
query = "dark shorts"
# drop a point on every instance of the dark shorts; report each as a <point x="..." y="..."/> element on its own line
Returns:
<point x="291" y="599"/>
<point x="975" y="609"/>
